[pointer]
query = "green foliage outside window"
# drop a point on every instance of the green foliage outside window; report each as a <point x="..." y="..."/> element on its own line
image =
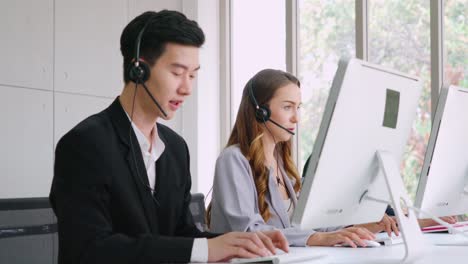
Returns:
<point x="399" y="38"/>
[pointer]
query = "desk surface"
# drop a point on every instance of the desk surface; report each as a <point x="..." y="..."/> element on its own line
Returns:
<point x="387" y="254"/>
<point x="435" y="254"/>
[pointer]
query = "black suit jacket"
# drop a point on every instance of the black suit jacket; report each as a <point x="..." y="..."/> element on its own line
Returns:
<point x="106" y="212"/>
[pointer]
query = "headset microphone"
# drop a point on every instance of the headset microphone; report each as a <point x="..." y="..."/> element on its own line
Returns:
<point x="139" y="71"/>
<point x="154" y="100"/>
<point x="282" y="127"/>
<point x="263" y="112"/>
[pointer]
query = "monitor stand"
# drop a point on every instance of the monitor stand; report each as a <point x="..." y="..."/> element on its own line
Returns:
<point x="455" y="236"/>
<point x="414" y="241"/>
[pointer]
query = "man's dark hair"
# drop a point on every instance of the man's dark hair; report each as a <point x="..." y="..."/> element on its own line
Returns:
<point x="164" y="27"/>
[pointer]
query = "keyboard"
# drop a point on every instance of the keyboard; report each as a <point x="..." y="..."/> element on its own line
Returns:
<point x="461" y="226"/>
<point x="282" y="258"/>
<point x="385" y="240"/>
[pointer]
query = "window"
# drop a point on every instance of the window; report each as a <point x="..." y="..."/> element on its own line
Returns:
<point x="326" y="33"/>
<point x="399" y="38"/>
<point x="258" y="42"/>
<point x="456" y="42"/>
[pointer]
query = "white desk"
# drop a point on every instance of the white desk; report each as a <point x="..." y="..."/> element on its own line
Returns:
<point x="391" y="254"/>
<point x="435" y="254"/>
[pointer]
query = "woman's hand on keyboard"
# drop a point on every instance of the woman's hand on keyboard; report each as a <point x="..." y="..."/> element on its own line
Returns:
<point x="429" y="222"/>
<point x="277" y="240"/>
<point x="350" y="236"/>
<point x="387" y="224"/>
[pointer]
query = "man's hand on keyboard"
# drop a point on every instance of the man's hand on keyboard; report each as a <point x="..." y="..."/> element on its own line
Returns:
<point x="245" y="245"/>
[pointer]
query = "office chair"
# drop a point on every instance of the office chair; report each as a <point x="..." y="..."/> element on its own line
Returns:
<point x="197" y="208"/>
<point x="28" y="231"/>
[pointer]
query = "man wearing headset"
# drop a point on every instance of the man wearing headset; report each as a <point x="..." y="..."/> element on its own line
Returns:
<point x="121" y="186"/>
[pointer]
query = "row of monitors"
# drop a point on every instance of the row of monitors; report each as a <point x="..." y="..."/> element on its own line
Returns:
<point x="372" y="109"/>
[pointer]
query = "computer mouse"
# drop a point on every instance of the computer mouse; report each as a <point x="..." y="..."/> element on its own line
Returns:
<point x="372" y="243"/>
<point x="369" y="243"/>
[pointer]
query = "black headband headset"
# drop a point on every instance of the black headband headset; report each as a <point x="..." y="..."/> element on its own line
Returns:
<point x="262" y="115"/>
<point x="139" y="71"/>
<point x="262" y="112"/>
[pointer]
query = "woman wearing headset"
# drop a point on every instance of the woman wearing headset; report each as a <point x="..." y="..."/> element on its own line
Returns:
<point x="256" y="183"/>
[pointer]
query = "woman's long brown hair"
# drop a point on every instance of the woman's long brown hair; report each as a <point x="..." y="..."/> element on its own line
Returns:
<point x="247" y="133"/>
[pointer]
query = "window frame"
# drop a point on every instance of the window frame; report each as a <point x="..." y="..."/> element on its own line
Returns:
<point x="292" y="22"/>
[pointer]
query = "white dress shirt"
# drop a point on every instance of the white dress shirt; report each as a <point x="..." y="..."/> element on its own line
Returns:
<point x="150" y="154"/>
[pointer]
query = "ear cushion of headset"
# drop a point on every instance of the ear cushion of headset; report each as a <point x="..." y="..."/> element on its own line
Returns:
<point x="139" y="73"/>
<point x="262" y="114"/>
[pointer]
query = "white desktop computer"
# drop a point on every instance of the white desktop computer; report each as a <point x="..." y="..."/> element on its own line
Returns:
<point x="443" y="185"/>
<point x="354" y="168"/>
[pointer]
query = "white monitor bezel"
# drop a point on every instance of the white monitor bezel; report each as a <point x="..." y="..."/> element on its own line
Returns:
<point x="366" y="211"/>
<point x="443" y="194"/>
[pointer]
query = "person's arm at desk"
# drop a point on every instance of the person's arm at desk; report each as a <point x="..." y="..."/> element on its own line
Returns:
<point x="235" y="200"/>
<point x="427" y="222"/>
<point x="222" y="247"/>
<point x="81" y="199"/>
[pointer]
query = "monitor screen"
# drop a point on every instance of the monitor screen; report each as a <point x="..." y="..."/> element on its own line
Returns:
<point x="443" y="185"/>
<point x="369" y="108"/>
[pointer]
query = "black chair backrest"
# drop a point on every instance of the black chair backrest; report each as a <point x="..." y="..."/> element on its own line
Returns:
<point x="28" y="231"/>
<point x="197" y="208"/>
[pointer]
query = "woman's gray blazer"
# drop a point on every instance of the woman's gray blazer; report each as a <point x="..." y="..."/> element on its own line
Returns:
<point x="235" y="202"/>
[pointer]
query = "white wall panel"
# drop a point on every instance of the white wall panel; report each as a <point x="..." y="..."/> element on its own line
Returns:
<point x="87" y="58"/>
<point x="26" y="142"/>
<point x="61" y="63"/>
<point x="137" y="7"/>
<point x="200" y="119"/>
<point x="70" y="109"/>
<point x="26" y="28"/>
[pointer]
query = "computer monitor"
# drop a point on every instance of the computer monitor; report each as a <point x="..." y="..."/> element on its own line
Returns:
<point x="369" y="109"/>
<point x="443" y="185"/>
